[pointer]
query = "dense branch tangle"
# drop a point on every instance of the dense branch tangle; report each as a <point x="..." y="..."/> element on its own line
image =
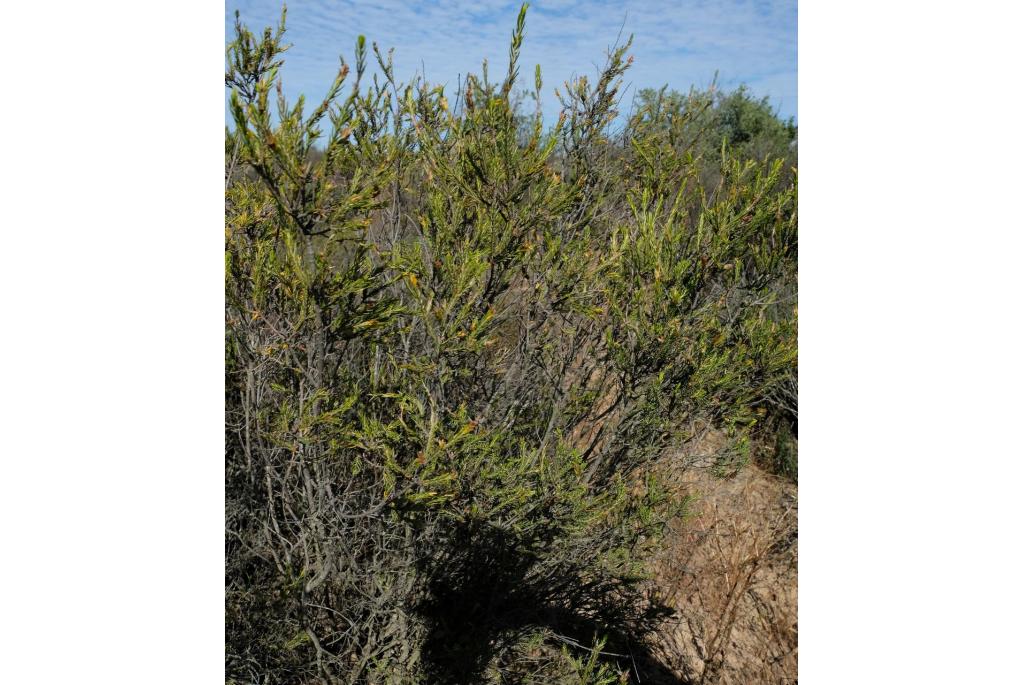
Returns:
<point x="457" y="342"/>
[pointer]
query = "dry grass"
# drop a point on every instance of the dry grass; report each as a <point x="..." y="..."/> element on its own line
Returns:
<point x="731" y="572"/>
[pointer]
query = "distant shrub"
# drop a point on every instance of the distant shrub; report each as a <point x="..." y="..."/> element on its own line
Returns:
<point x="708" y="118"/>
<point x="457" y="342"/>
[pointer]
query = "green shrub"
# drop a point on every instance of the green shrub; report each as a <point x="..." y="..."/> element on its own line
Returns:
<point x="457" y="345"/>
<point x="710" y="117"/>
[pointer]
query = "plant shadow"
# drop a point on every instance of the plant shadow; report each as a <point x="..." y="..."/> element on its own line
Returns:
<point x="487" y="591"/>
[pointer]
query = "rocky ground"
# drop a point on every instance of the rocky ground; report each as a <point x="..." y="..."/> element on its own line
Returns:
<point x="730" y="570"/>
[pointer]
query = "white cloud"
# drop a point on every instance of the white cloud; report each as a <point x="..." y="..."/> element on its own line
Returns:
<point x="678" y="43"/>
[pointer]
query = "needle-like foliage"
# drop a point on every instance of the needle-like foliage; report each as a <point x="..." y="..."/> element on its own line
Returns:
<point x="459" y="345"/>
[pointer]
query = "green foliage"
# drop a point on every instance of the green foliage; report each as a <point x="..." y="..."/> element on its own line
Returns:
<point x="710" y="117"/>
<point x="458" y="346"/>
<point x="589" y="670"/>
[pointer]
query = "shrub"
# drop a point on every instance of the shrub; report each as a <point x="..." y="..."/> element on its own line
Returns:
<point x="711" y="116"/>
<point x="457" y="343"/>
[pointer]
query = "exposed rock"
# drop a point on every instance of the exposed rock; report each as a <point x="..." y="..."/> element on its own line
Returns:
<point x="730" y="570"/>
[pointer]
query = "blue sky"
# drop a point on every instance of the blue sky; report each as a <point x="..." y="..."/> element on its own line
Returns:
<point x="676" y="42"/>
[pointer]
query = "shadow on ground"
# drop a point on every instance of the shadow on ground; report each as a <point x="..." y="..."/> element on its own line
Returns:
<point x="488" y="590"/>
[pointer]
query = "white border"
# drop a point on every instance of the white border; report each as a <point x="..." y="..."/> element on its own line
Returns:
<point x="911" y="364"/>
<point x="112" y="392"/>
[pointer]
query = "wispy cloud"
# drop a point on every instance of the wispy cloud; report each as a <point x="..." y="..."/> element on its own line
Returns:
<point x="679" y="43"/>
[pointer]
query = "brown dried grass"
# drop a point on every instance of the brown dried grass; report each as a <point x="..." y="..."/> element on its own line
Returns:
<point x="730" y="570"/>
